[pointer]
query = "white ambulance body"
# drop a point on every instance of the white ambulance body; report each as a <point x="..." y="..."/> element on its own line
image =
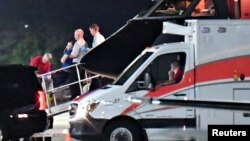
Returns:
<point x="215" y="59"/>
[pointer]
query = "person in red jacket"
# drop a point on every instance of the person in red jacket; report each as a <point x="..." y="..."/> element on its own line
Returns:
<point x="43" y="66"/>
<point x="42" y="63"/>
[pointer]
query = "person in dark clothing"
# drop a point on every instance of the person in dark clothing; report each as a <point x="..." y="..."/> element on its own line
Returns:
<point x="62" y="76"/>
<point x="65" y="60"/>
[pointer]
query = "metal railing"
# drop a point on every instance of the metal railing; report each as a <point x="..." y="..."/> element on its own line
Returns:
<point x="49" y="89"/>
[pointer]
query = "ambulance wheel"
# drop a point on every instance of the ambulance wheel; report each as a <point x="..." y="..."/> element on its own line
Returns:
<point x="3" y="133"/>
<point x="122" y="130"/>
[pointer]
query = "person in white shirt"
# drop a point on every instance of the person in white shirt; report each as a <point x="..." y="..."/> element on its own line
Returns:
<point x="98" y="37"/>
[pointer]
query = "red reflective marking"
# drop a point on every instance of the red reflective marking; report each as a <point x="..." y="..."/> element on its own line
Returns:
<point x="42" y="100"/>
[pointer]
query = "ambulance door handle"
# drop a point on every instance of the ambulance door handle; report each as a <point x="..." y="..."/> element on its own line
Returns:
<point x="180" y="95"/>
<point x="246" y="114"/>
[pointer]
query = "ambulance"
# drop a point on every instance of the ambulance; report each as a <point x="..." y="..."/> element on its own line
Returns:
<point x="214" y="58"/>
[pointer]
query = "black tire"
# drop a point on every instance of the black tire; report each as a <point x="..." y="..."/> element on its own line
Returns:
<point x="123" y="130"/>
<point x="3" y="133"/>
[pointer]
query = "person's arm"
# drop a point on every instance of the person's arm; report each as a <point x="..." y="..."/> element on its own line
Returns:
<point x="65" y="55"/>
<point x="75" y="51"/>
<point x="34" y="62"/>
<point x="72" y="56"/>
<point x="47" y="67"/>
<point x="171" y="75"/>
<point x="170" y="80"/>
<point x="99" y="40"/>
<point x="64" y="58"/>
<point x="173" y="78"/>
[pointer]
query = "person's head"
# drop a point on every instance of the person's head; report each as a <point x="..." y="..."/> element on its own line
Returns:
<point x="69" y="45"/>
<point x="78" y="34"/>
<point x="175" y="65"/>
<point x="46" y="57"/>
<point x="94" y="28"/>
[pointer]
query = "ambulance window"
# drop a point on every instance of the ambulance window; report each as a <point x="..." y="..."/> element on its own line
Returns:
<point x="129" y="71"/>
<point x="204" y="8"/>
<point x="158" y="71"/>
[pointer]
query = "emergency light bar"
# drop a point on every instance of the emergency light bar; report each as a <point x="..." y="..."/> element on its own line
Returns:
<point x="176" y="29"/>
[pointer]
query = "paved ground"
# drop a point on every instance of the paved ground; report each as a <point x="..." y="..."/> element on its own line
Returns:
<point x="61" y="122"/>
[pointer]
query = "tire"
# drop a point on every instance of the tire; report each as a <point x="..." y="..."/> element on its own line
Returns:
<point x="3" y="133"/>
<point x="122" y="130"/>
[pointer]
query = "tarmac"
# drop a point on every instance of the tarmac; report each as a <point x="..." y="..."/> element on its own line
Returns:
<point x="61" y="127"/>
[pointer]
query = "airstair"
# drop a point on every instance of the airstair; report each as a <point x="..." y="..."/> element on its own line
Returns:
<point x="58" y="98"/>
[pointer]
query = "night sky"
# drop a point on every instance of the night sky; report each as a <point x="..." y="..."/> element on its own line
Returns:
<point x="109" y="14"/>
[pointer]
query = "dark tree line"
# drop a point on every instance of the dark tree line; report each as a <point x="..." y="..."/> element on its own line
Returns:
<point x="32" y="27"/>
<point x="17" y="47"/>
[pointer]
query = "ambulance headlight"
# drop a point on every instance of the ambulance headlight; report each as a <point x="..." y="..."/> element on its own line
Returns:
<point x="81" y="110"/>
<point x="72" y="109"/>
<point x="92" y="106"/>
<point x="85" y="108"/>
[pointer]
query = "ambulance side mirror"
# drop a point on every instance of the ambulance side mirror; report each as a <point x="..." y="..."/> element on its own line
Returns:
<point x="146" y="83"/>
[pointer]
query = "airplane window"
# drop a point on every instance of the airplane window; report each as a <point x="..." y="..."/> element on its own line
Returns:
<point x="171" y="8"/>
<point x="204" y="8"/>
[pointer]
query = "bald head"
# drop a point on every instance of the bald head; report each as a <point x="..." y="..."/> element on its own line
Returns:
<point x="78" y="34"/>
